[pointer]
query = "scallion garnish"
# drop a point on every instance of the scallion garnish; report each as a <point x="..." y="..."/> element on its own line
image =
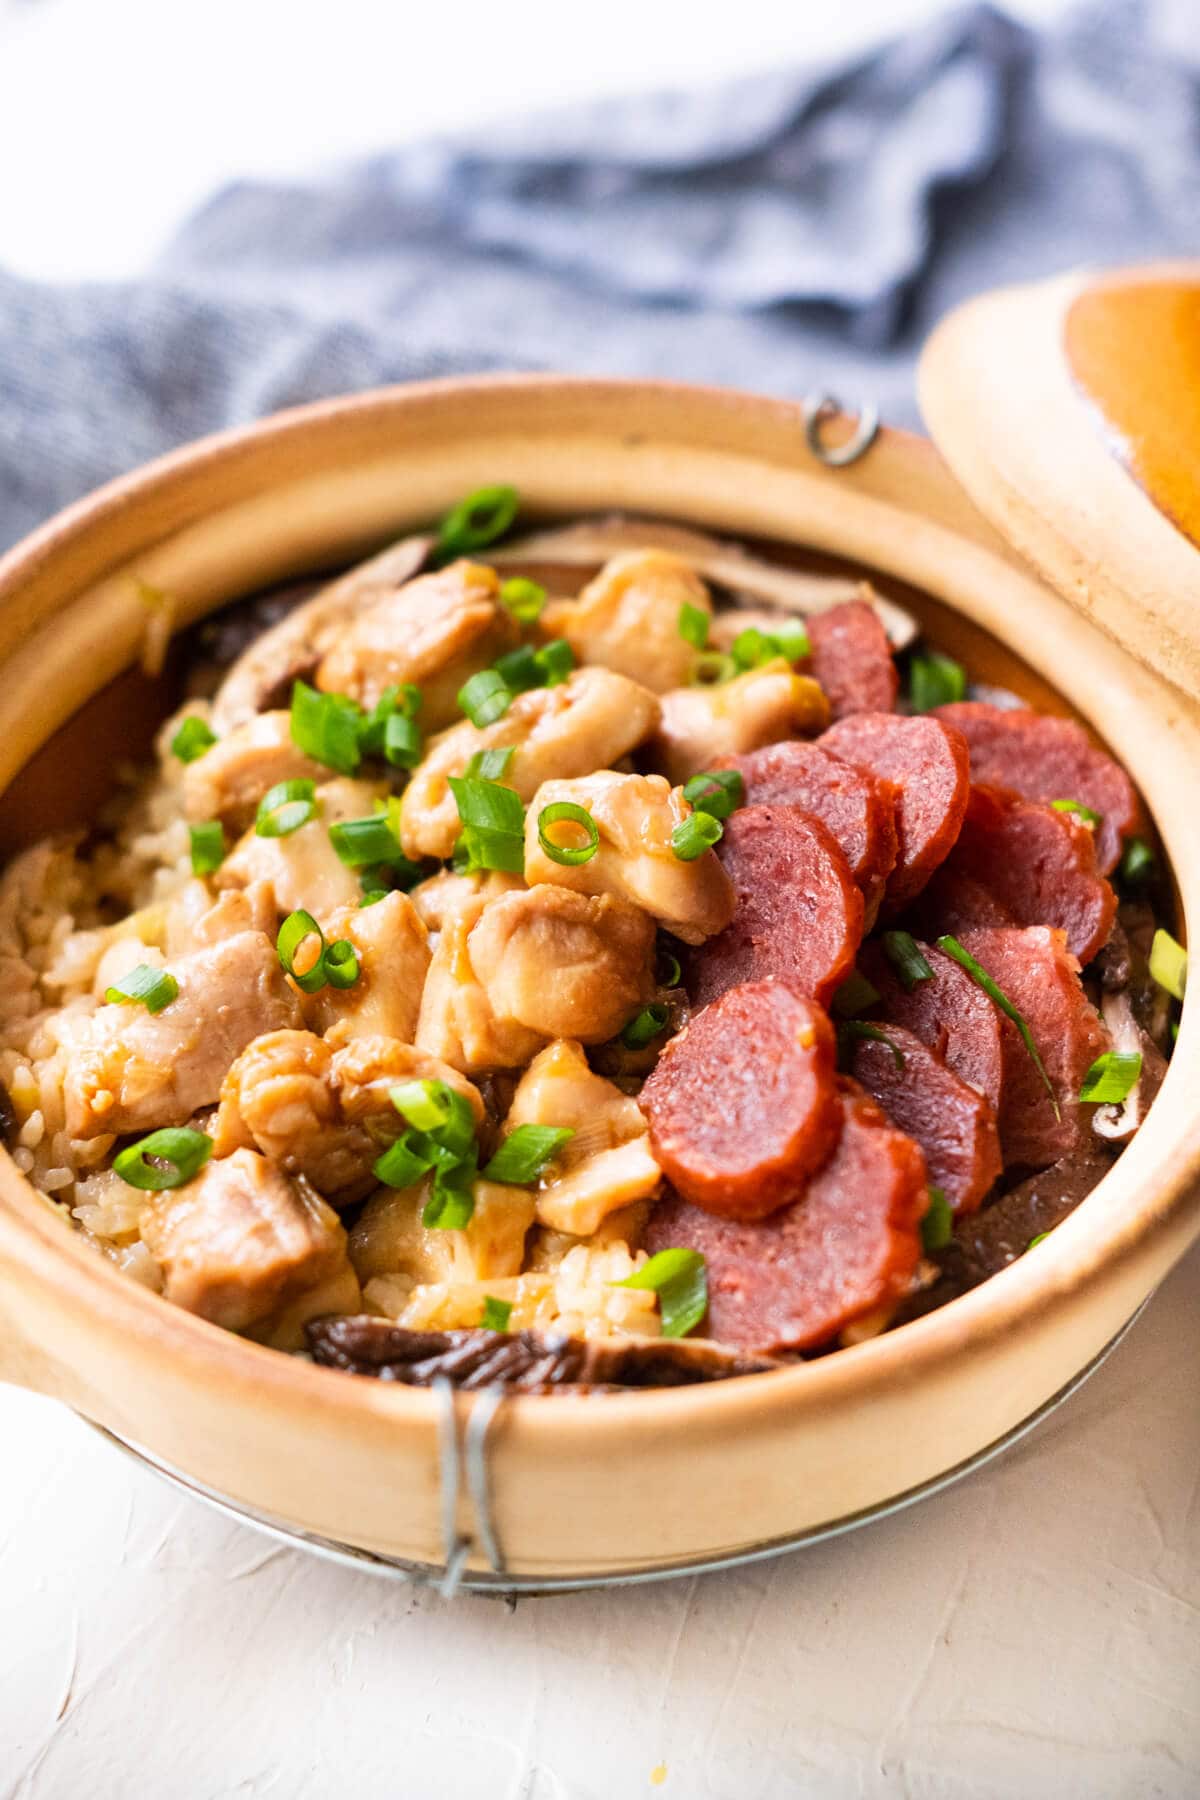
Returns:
<point x="485" y="698"/>
<point x="854" y="996"/>
<point x="937" y="1225"/>
<point x="1169" y="963"/>
<point x="1035" y="1241"/>
<point x="934" y="680"/>
<point x="390" y="729"/>
<point x="693" y="625"/>
<point x="193" y="738"/>
<point x="712" y="667"/>
<point x="297" y="930"/>
<point x="555" y="661"/>
<point x="402" y="742"/>
<point x="910" y="965"/>
<point x="451" y="1206"/>
<point x="1112" y="1077"/>
<point x="441" y="1138"/>
<point x="525" y="1153"/>
<point x="524" y="599"/>
<point x="285" y="808"/>
<point x="478" y="519"/>
<point x="1137" y="863"/>
<point x="716" y="791"/>
<point x="861" y="1028"/>
<point x="207" y="846"/>
<point x="490" y="765"/>
<point x="668" y="972"/>
<point x="166" y="1159"/>
<point x="519" y="669"/>
<point x="791" y="640"/>
<point x="566" y="812"/>
<point x="341" y="964"/>
<point x="752" y="648"/>
<point x="401" y="1166"/>
<point x="496" y="1313"/>
<point x="680" y="1279"/>
<point x="645" y="1026"/>
<point x="152" y="988"/>
<point x="493" y="824"/>
<point x="327" y="727"/>
<point x="694" y="835"/>
<point x="1079" y="809"/>
<point x="438" y="1110"/>
<point x="981" y="978"/>
<point x="360" y="842"/>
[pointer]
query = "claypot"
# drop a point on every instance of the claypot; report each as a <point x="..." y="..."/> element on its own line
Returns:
<point x="580" y="1487"/>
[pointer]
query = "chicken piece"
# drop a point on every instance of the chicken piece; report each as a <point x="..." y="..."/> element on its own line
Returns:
<point x="241" y="1240"/>
<point x="441" y="897"/>
<point x="303" y="869"/>
<point x="136" y="1070"/>
<point x="607" y="1164"/>
<point x="393" y="957"/>
<point x="564" y="964"/>
<point x="263" y="675"/>
<point x="701" y="726"/>
<point x="587" y="722"/>
<point x="195" y="921"/>
<point x="457" y="1023"/>
<point x="627" y="619"/>
<point x="435" y="632"/>
<point x="390" y="1239"/>
<point x="321" y="1113"/>
<point x="231" y="777"/>
<point x="635" y="816"/>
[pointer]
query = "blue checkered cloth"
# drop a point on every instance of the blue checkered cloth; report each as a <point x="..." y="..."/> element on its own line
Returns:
<point x="791" y="231"/>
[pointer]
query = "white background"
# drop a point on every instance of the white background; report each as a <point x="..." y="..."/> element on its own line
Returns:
<point x="1033" y="1632"/>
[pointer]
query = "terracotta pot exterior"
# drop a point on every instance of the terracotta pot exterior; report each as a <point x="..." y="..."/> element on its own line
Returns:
<point x="580" y="1486"/>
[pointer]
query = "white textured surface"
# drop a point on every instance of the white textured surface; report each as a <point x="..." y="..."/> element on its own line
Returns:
<point x="1031" y="1632"/>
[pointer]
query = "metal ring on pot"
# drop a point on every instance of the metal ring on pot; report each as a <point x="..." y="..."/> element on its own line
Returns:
<point x="818" y="410"/>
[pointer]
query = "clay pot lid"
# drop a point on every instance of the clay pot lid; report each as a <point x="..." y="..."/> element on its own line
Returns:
<point x="1070" y="411"/>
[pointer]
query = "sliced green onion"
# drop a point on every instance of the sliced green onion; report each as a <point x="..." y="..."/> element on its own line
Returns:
<point x="449" y="1122"/>
<point x="696" y="834"/>
<point x="1112" y="1077"/>
<point x="525" y="1152"/>
<point x="451" y="1206"/>
<point x="401" y="1165"/>
<point x="565" y="812"/>
<point x="524" y="599"/>
<point x="360" y="842"/>
<point x="680" y="1279"/>
<point x="981" y="978"/>
<point x="668" y="972"/>
<point x="402" y="742"/>
<point x="937" y="1226"/>
<point x="478" y="519"/>
<point x="285" y="808"/>
<point x="1169" y="963"/>
<point x="296" y="930"/>
<point x="934" y="680"/>
<point x="166" y="1159"/>
<point x="494" y="825"/>
<point x="712" y="668"/>
<point x="716" y="791"/>
<point x="490" y="765"/>
<point x="1137" y="864"/>
<point x="1076" y="806"/>
<point x="208" y="846"/>
<point x="650" y="1023"/>
<point x="910" y="965"/>
<point x="861" y="1028"/>
<point x="1035" y="1241"/>
<point x="485" y="698"/>
<point x="496" y="1313"/>
<point x="519" y="669"/>
<point x="398" y="701"/>
<point x="341" y="964"/>
<point x="372" y="895"/>
<point x="192" y="739"/>
<point x="693" y="625"/>
<point x="151" y="988"/>
<point x="751" y="648"/>
<point x="854" y="996"/>
<point x="327" y="727"/>
<point x="555" y="661"/>
<point x="791" y="639"/>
